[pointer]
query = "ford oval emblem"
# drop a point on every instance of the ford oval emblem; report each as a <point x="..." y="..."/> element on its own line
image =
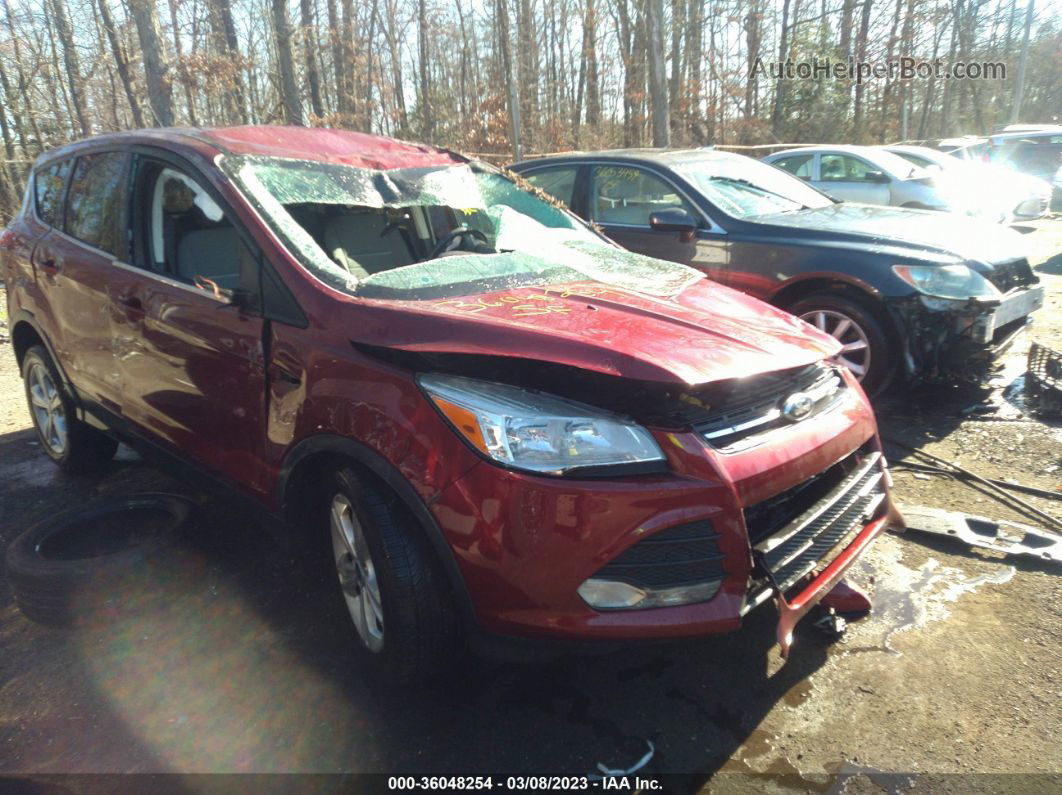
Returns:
<point x="797" y="406"/>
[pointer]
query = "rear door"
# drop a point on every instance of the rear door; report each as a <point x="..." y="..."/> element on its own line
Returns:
<point x="193" y="359"/>
<point x="622" y="197"/>
<point x="74" y="263"/>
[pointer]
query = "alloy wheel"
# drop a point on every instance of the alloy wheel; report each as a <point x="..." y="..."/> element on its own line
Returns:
<point x="855" y="345"/>
<point x="46" y="405"/>
<point x="357" y="573"/>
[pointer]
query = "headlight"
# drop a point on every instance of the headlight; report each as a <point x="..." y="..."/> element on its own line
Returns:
<point x="947" y="281"/>
<point x="537" y="432"/>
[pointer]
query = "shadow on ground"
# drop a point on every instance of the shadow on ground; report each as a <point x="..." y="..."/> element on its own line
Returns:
<point x="240" y="657"/>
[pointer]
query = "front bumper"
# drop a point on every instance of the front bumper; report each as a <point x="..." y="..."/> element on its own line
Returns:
<point x="946" y="338"/>
<point x="525" y="544"/>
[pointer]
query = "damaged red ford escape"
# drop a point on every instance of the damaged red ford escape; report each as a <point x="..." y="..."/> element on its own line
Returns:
<point x="509" y="428"/>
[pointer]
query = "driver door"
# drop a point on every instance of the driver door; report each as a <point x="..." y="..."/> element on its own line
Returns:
<point x="621" y="199"/>
<point x="191" y="361"/>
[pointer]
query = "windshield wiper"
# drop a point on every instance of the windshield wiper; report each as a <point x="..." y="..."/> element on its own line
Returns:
<point x="748" y="184"/>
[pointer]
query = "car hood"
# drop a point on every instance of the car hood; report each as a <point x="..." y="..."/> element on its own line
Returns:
<point x="706" y="333"/>
<point x="898" y="227"/>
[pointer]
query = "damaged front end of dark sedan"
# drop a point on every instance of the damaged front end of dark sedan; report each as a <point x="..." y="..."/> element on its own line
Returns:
<point x="961" y="317"/>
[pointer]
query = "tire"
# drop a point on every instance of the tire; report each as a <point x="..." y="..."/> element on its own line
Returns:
<point x="828" y="311"/>
<point x="74" y="446"/>
<point x="75" y="568"/>
<point x="398" y="599"/>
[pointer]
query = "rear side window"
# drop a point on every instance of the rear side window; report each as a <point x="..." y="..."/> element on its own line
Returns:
<point x="48" y="184"/>
<point x="557" y="182"/>
<point x="96" y="201"/>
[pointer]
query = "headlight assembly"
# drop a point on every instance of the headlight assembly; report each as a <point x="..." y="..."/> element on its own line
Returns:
<point x="947" y="281"/>
<point x="537" y="432"/>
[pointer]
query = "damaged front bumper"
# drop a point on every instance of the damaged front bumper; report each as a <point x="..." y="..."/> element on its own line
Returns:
<point x="947" y="339"/>
<point x="800" y="563"/>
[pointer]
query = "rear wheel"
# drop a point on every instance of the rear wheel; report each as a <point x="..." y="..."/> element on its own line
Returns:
<point x="70" y="443"/>
<point x="396" y="595"/>
<point x="866" y="349"/>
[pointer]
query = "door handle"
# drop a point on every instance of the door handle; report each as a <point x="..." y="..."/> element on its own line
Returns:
<point x="133" y="306"/>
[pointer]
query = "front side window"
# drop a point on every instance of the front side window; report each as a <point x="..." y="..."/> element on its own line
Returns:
<point x="557" y="182"/>
<point x="628" y="195"/>
<point x="842" y="168"/>
<point x="96" y="201"/>
<point x="797" y="165"/>
<point x="49" y="184"/>
<point x="184" y="233"/>
<point x="426" y="233"/>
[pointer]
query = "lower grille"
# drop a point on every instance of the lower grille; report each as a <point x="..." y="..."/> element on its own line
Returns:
<point x="679" y="556"/>
<point x="833" y="521"/>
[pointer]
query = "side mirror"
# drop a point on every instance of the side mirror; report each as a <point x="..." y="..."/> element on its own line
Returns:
<point x="877" y="176"/>
<point x="674" y="219"/>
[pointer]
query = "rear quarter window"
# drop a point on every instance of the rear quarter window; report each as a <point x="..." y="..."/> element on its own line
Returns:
<point x="48" y="185"/>
<point x="96" y="200"/>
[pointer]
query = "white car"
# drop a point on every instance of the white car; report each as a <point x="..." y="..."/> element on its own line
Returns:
<point x="1000" y="193"/>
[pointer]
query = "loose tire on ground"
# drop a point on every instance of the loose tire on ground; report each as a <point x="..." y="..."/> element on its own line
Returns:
<point x="90" y="564"/>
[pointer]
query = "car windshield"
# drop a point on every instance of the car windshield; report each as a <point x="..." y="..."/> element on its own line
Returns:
<point x="425" y="233"/>
<point x="746" y="188"/>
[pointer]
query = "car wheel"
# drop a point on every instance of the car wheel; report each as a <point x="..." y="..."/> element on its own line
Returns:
<point x="83" y="565"/>
<point x="70" y="443"/>
<point x="396" y="595"/>
<point x="866" y="349"/>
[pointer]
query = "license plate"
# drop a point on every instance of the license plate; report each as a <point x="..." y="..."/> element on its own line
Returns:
<point x="1019" y="306"/>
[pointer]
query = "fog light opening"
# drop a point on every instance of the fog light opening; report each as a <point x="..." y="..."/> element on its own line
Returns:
<point x="615" y="595"/>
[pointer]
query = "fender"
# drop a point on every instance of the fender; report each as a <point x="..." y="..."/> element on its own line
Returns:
<point x="382" y="468"/>
<point x="828" y="276"/>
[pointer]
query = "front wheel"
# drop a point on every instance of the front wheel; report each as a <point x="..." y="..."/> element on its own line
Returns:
<point x="865" y="346"/>
<point x="395" y="592"/>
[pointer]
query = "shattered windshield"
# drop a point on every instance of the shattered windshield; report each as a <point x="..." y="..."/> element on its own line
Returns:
<point x="425" y="233"/>
<point x="745" y="188"/>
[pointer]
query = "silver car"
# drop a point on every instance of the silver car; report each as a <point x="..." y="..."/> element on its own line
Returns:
<point x="869" y="175"/>
<point x="1001" y="194"/>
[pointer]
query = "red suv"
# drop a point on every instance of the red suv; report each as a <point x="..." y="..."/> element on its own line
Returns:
<point x="510" y="428"/>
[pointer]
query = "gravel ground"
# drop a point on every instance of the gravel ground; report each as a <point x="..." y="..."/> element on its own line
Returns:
<point x="241" y="660"/>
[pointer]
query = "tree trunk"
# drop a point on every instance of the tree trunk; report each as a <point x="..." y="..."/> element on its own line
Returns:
<point x="73" y="73"/>
<point x="120" y="62"/>
<point x="156" y="68"/>
<point x="308" y="40"/>
<point x="861" y="54"/>
<point x="778" y="110"/>
<point x="593" y="81"/>
<point x="289" y="89"/>
<point x="657" y="79"/>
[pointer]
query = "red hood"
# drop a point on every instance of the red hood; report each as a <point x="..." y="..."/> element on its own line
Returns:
<point x="707" y="333"/>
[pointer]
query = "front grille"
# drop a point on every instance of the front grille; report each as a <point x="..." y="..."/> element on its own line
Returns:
<point x="754" y="405"/>
<point x="854" y="492"/>
<point x="1008" y="275"/>
<point x="679" y="556"/>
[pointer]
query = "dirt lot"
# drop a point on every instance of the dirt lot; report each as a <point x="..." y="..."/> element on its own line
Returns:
<point x="242" y="660"/>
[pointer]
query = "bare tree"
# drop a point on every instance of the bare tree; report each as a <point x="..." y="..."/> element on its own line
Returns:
<point x="156" y="66"/>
